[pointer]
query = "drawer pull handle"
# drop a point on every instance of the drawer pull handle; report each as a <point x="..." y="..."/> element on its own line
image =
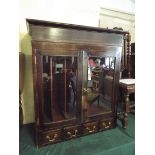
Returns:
<point x="85" y="90"/>
<point x="93" y="130"/>
<point x="106" y="126"/>
<point x="53" y="139"/>
<point x="70" y="134"/>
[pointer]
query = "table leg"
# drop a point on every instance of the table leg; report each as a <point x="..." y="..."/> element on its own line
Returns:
<point x="126" y="111"/>
<point x="20" y="111"/>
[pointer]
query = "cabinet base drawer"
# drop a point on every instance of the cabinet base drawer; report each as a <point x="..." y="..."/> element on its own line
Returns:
<point x="52" y="136"/>
<point x="89" y="128"/>
<point x="72" y="132"/>
<point x="106" y="124"/>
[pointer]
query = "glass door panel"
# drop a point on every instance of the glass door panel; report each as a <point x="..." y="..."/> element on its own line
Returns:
<point x="59" y="88"/>
<point x="100" y="84"/>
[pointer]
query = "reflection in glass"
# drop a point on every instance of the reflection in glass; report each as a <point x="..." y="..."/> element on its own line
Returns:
<point x="100" y="83"/>
<point x="59" y="83"/>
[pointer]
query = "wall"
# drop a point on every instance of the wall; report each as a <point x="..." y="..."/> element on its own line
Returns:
<point x="81" y="12"/>
<point x="127" y="6"/>
<point x="113" y="18"/>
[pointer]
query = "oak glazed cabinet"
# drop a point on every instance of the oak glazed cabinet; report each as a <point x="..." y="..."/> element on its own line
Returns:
<point x="76" y="77"/>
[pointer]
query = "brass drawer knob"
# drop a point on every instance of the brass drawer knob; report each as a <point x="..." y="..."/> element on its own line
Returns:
<point x="93" y="130"/>
<point x="52" y="139"/>
<point x="106" y="126"/>
<point x="70" y="134"/>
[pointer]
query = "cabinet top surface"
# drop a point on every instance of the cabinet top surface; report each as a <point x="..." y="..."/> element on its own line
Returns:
<point x="73" y="26"/>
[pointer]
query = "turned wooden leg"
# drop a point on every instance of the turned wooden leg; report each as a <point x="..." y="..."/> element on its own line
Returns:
<point x="126" y="110"/>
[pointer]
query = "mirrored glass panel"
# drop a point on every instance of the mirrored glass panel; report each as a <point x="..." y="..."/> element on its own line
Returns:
<point x="100" y="84"/>
<point x="59" y="83"/>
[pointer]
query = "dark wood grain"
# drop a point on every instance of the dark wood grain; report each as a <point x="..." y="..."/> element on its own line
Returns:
<point x="72" y="26"/>
<point x="58" y="42"/>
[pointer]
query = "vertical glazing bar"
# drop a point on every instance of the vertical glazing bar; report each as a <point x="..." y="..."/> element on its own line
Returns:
<point x="51" y="77"/>
<point x="42" y="85"/>
<point x="65" y="71"/>
<point x="84" y="85"/>
<point x="79" y="85"/>
<point x="109" y="63"/>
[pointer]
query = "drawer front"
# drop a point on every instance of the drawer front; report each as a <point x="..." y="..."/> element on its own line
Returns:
<point x="89" y="128"/>
<point x="106" y="124"/>
<point x="72" y="132"/>
<point x="51" y="136"/>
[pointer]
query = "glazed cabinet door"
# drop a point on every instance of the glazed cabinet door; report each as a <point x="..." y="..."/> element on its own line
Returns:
<point x="99" y="71"/>
<point x="58" y="83"/>
<point x="75" y="88"/>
